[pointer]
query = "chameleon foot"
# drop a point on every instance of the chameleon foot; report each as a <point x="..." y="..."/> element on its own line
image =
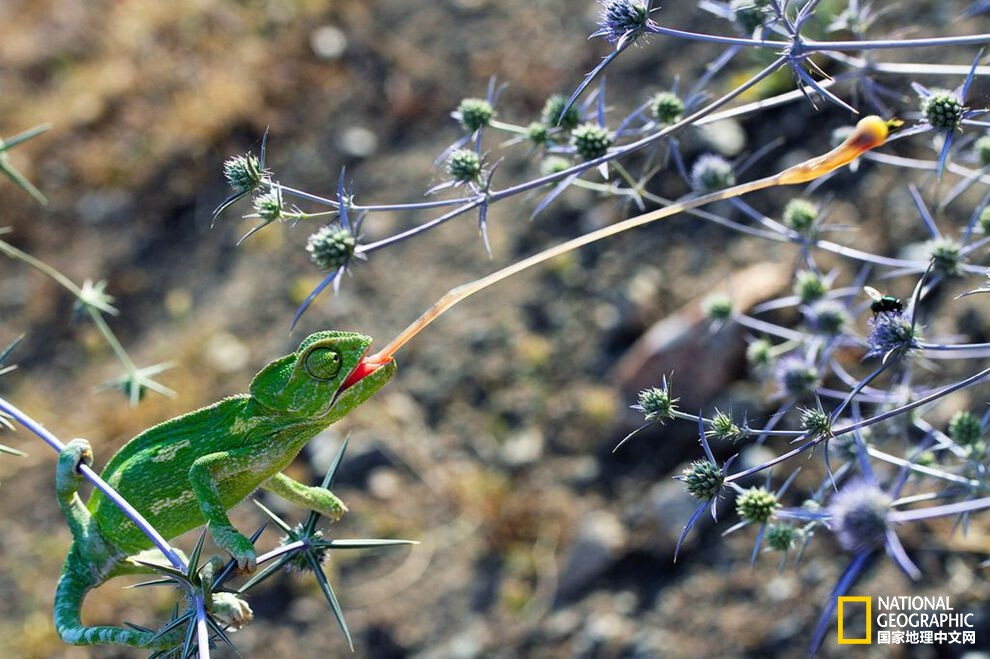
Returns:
<point x="67" y="476"/>
<point x="237" y="545"/>
<point x="230" y="610"/>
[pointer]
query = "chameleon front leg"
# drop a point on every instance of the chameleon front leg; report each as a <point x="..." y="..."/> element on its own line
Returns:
<point x="67" y="483"/>
<point x="318" y="499"/>
<point x="204" y="475"/>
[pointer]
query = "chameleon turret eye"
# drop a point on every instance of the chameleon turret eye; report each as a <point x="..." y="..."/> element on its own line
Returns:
<point x="323" y="363"/>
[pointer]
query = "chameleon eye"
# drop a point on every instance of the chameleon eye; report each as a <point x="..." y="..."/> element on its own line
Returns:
<point x="323" y="363"/>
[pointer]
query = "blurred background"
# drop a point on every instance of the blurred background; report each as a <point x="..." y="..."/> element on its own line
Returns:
<point x="493" y="445"/>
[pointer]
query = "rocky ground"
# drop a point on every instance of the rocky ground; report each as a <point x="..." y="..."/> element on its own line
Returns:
<point x="493" y="445"/>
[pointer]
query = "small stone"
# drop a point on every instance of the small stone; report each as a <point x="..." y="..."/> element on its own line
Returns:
<point x="328" y="42"/>
<point x="358" y="141"/>
<point x="523" y="449"/>
<point x="598" y="541"/>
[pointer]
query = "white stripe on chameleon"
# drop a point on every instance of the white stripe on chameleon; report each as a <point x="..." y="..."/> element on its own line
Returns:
<point x="241" y="426"/>
<point x="165" y="504"/>
<point x="167" y="453"/>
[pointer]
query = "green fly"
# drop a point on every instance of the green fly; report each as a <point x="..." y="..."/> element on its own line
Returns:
<point x="882" y="303"/>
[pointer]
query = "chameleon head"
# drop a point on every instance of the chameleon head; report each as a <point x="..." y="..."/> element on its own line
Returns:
<point x="328" y="370"/>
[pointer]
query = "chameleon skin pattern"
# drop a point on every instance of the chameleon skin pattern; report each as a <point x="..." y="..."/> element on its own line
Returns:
<point x="191" y="469"/>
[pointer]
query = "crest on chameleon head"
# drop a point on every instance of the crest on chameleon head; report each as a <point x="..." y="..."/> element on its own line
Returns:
<point x="307" y="382"/>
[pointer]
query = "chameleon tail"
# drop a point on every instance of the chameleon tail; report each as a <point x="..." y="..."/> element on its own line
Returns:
<point x="75" y="582"/>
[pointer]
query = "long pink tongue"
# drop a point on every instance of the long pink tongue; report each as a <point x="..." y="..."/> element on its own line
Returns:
<point x="365" y="367"/>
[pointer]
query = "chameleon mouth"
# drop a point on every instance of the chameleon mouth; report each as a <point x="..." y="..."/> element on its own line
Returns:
<point x="365" y="367"/>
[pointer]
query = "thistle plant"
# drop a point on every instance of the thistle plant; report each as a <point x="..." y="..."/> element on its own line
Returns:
<point x="856" y="388"/>
<point x="806" y="356"/>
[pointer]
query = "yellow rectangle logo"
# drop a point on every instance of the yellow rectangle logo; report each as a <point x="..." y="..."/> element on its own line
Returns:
<point x="868" y="639"/>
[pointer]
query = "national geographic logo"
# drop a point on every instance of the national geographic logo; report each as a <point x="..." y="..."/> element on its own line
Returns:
<point x="902" y="619"/>
<point x="868" y="638"/>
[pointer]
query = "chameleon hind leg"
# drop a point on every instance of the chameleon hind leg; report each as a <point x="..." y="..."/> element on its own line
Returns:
<point x="91" y="562"/>
<point x="87" y="557"/>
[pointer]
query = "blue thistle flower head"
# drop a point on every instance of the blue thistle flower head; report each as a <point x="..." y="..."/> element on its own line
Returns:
<point x="591" y="141"/>
<point x="331" y="247"/>
<point x="759" y="354"/>
<point x="858" y="516"/>
<point x="892" y="334"/>
<point x="703" y="479"/>
<point x="711" y="173"/>
<point x="947" y="256"/>
<point x="827" y="317"/>
<point x="464" y="166"/>
<point x="796" y="377"/>
<point x="782" y="537"/>
<point x="944" y="110"/>
<point x="656" y="403"/>
<point x="801" y="216"/>
<point x="757" y="505"/>
<point x="621" y="20"/>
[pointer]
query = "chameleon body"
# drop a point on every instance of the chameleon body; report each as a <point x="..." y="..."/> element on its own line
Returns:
<point x="191" y="469"/>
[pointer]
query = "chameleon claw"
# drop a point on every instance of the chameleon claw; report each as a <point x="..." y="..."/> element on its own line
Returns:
<point x="240" y="548"/>
<point x="247" y="561"/>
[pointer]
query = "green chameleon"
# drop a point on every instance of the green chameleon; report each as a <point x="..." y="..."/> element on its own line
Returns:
<point x="191" y="469"/>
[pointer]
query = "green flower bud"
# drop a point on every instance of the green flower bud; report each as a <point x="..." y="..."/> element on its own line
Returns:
<point x="756" y="505"/>
<point x="759" y="353"/>
<point x="816" y="423"/>
<point x="711" y="173"/>
<point x="657" y="404"/>
<point x="268" y="205"/>
<point x="538" y="133"/>
<point x="724" y="428"/>
<point x="703" y="480"/>
<point x="591" y="141"/>
<point x="474" y="113"/>
<point x="666" y="107"/>
<point x="464" y="165"/>
<point x="984" y="221"/>
<point x="331" y="247"/>
<point x="809" y="286"/>
<point x="551" y="115"/>
<point x="943" y="110"/>
<point x="781" y="537"/>
<point x="554" y="164"/>
<point x="800" y="215"/>
<point x="243" y="173"/>
<point x="947" y="255"/>
<point x="717" y="307"/>
<point x="982" y="148"/>
<point x="965" y="429"/>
